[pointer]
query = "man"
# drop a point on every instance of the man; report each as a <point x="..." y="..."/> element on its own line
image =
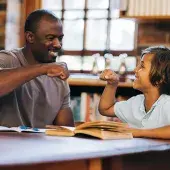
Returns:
<point x="33" y="90"/>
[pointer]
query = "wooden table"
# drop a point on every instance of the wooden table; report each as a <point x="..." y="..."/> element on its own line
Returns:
<point x="37" y="151"/>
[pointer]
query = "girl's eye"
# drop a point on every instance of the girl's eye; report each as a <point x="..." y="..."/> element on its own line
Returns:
<point x="142" y="65"/>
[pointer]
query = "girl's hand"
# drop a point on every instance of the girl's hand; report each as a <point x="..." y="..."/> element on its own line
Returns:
<point x="110" y="76"/>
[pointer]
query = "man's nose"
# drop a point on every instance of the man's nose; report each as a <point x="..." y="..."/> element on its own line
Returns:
<point x="56" y="43"/>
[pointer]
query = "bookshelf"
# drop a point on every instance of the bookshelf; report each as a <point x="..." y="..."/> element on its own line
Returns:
<point x="86" y="90"/>
<point x="147" y="8"/>
<point x="152" y="31"/>
<point x="80" y="82"/>
<point x="155" y="17"/>
<point x="91" y="80"/>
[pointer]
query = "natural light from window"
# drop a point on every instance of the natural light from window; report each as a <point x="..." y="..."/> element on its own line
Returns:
<point x="93" y="26"/>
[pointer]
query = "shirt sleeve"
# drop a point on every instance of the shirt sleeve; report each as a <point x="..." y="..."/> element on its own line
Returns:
<point x="66" y="100"/>
<point x="123" y="110"/>
<point x="166" y="112"/>
<point x="5" y="60"/>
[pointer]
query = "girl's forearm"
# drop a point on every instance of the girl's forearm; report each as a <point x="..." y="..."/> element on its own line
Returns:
<point x="107" y="99"/>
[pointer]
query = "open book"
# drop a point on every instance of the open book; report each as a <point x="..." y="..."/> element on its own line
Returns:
<point x="98" y="129"/>
<point x="21" y="129"/>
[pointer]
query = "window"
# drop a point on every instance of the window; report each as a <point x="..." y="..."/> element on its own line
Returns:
<point x="92" y="26"/>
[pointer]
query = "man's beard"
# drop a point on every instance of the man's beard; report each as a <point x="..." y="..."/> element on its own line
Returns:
<point x="46" y="59"/>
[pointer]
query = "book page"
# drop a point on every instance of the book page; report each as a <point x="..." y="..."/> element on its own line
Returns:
<point x="21" y="129"/>
<point x="104" y="134"/>
<point x="32" y="130"/>
<point x="102" y="124"/>
<point x="7" y="129"/>
<point x="63" y="128"/>
<point x="59" y="130"/>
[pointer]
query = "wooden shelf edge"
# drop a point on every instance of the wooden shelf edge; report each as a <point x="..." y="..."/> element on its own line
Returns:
<point x="94" y="82"/>
<point x="146" y="17"/>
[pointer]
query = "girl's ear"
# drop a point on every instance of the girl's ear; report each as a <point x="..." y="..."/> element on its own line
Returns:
<point x="163" y="79"/>
<point x="29" y="37"/>
<point x="160" y="81"/>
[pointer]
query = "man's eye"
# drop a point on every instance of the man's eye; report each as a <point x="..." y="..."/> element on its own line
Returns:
<point x="60" y="38"/>
<point x="50" y="38"/>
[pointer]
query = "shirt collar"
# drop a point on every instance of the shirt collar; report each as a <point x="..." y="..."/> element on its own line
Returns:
<point x="142" y="107"/>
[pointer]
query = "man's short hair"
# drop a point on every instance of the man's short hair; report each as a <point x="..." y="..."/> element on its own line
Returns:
<point x="32" y="21"/>
<point x="160" y="68"/>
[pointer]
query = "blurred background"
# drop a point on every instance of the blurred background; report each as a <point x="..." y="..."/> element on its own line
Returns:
<point x="93" y="26"/>
<point x="96" y="32"/>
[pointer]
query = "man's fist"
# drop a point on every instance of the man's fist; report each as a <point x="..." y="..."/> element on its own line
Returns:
<point x="59" y="70"/>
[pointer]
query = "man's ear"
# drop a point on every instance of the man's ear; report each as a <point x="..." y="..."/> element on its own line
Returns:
<point x="29" y="37"/>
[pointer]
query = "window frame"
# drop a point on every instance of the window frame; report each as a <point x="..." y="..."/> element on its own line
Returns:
<point x="85" y="52"/>
<point x="28" y="6"/>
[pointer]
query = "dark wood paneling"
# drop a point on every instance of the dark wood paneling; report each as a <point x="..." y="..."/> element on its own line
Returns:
<point x="3" y="6"/>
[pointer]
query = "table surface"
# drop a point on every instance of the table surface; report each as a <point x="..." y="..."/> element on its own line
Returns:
<point x="28" y="148"/>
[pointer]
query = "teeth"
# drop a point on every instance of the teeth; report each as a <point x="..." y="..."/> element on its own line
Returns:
<point x="53" y="53"/>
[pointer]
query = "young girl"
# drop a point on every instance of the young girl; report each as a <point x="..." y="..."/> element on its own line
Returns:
<point x="149" y="110"/>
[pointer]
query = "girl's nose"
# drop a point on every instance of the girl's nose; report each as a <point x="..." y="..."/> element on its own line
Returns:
<point x="135" y="70"/>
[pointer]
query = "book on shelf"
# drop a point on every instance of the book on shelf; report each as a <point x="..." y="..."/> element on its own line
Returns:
<point x="85" y="107"/>
<point x="98" y="129"/>
<point x="148" y="8"/>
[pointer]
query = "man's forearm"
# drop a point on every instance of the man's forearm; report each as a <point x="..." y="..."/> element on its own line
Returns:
<point x="160" y="133"/>
<point x="12" y="78"/>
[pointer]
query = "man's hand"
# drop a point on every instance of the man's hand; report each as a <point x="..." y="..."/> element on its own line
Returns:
<point x="59" y="70"/>
<point x="110" y="76"/>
